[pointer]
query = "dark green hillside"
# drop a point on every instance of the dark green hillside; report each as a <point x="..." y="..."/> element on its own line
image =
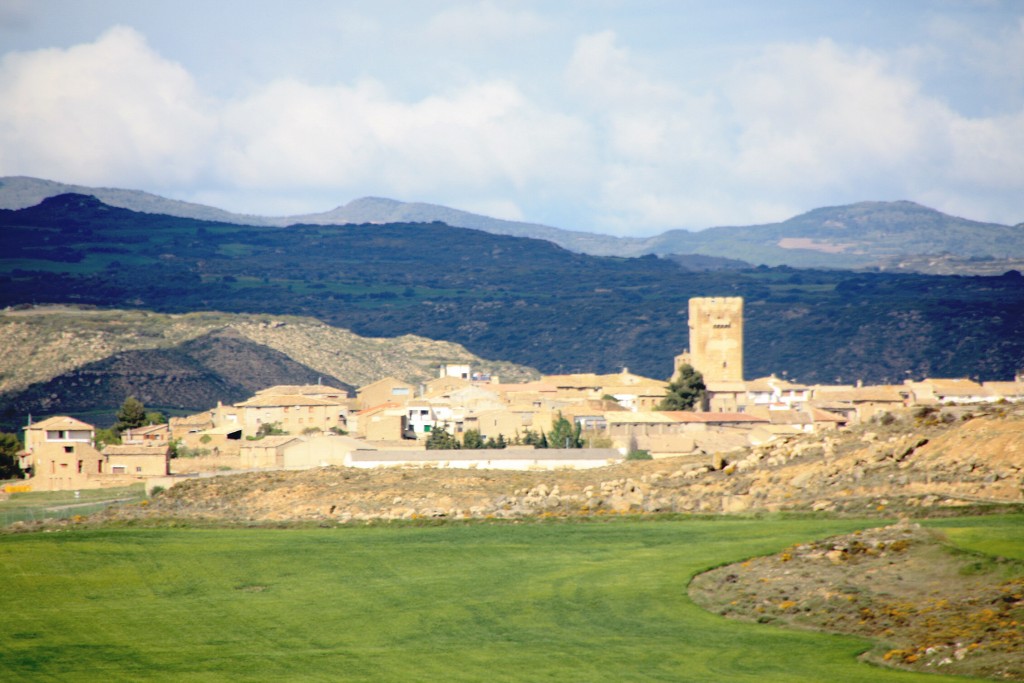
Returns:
<point x="220" y="366"/>
<point x="517" y="299"/>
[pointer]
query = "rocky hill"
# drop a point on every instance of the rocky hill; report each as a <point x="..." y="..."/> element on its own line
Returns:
<point x="75" y="360"/>
<point x="930" y="607"/>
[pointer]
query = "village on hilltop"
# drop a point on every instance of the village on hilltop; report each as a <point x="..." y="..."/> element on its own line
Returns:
<point x="393" y="423"/>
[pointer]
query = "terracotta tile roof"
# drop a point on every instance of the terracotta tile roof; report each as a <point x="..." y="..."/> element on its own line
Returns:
<point x="149" y="429"/>
<point x="271" y="441"/>
<point x="820" y="415"/>
<point x="954" y="387"/>
<point x="282" y="400"/>
<point x="377" y="408"/>
<point x="1007" y="389"/>
<point x="60" y="422"/>
<point x="304" y="390"/>
<point x="121" y="450"/>
<point x="712" y="418"/>
<point x="640" y="417"/>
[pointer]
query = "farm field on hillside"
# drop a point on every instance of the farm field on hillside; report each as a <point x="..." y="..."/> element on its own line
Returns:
<point x="601" y="601"/>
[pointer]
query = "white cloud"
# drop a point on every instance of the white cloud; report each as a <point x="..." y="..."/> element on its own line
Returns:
<point x="484" y="137"/>
<point x="816" y="114"/>
<point x="605" y="74"/>
<point x="619" y="147"/>
<point x="103" y="112"/>
<point x="797" y="126"/>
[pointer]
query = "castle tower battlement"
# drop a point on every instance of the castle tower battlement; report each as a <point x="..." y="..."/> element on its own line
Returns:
<point x="716" y="338"/>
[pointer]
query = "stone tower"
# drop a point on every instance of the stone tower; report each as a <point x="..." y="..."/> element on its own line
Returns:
<point x="716" y="339"/>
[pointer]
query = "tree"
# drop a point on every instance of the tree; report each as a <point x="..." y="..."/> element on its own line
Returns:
<point x="269" y="429"/>
<point x="132" y="414"/>
<point x="472" y="439"/>
<point x="105" y="437"/>
<point x="565" y="434"/>
<point x="530" y="438"/>
<point x="500" y="442"/>
<point x="9" y="447"/>
<point x="155" y="418"/>
<point x="441" y="440"/>
<point x="686" y="391"/>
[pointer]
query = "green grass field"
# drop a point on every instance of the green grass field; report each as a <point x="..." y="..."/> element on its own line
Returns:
<point x="601" y="601"/>
<point x="39" y="505"/>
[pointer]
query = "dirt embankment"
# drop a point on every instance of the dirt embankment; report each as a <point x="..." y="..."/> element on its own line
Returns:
<point x="930" y="607"/>
<point x="912" y="465"/>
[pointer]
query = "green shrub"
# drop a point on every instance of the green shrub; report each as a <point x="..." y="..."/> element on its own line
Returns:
<point x="922" y="412"/>
<point x="639" y="454"/>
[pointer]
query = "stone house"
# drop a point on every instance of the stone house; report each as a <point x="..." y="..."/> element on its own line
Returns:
<point x="387" y="390"/>
<point x="933" y="391"/>
<point x="315" y="390"/>
<point x="444" y="385"/>
<point x="182" y="427"/>
<point x="777" y="394"/>
<point x="59" y="456"/>
<point x="1006" y="391"/>
<point x="150" y="434"/>
<point x="292" y="413"/>
<point x="137" y="460"/>
<point x="861" y="403"/>
<point x="267" y="452"/>
<point x="635" y="390"/>
<point x="510" y="421"/>
<point x="726" y="396"/>
<point x="385" y="422"/>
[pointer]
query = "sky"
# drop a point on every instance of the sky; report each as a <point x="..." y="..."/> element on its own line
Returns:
<point x="625" y="117"/>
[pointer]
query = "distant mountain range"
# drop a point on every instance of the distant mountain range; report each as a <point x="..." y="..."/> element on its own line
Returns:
<point x="898" y="235"/>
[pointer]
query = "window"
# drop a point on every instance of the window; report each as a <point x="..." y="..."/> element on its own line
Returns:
<point x="118" y="469"/>
<point x="81" y="466"/>
<point x="69" y="449"/>
<point x="138" y="469"/>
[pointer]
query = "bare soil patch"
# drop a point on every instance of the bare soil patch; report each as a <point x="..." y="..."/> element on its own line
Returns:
<point x="929" y="606"/>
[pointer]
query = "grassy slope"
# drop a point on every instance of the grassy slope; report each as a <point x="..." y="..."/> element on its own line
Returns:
<point x="555" y="602"/>
<point x="997" y="536"/>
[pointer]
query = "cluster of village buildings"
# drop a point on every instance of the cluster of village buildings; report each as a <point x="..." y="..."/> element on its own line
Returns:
<point x="388" y="422"/>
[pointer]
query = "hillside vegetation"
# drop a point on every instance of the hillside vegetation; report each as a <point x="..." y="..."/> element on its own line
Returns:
<point x="521" y="300"/>
<point x="74" y="360"/>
